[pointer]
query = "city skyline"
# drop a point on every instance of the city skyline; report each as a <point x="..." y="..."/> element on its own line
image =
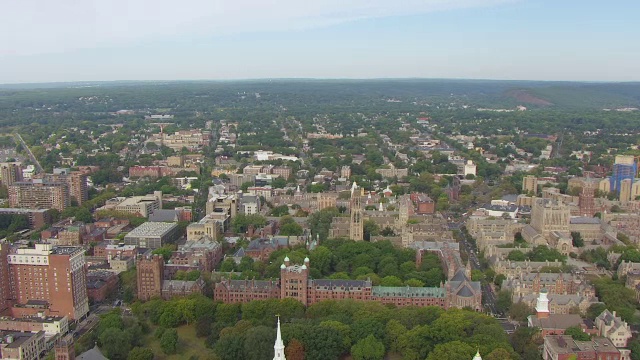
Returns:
<point x="203" y="40"/>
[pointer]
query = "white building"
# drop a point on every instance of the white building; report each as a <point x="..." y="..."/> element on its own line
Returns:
<point x="469" y="168"/>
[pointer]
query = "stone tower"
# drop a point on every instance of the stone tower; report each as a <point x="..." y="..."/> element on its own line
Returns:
<point x="356" y="226"/>
<point x="150" y="273"/>
<point x="585" y="201"/>
<point x="65" y="350"/>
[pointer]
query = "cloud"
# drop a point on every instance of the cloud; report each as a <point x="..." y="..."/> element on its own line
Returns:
<point x="34" y="26"/>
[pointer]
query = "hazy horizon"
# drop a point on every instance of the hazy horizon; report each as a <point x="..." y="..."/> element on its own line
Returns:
<point x="519" y="40"/>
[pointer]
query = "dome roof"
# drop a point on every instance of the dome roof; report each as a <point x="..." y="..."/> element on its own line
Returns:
<point x="286" y="258"/>
<point x="283" y="266"/>
<point x="306" y="259"/>
<point x="303" y="267"/>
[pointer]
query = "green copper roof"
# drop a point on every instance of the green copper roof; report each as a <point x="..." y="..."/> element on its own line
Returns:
<point x="408" y="292"/>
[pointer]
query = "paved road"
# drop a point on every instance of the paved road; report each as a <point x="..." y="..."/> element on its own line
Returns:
<point x="488" y="296"/>
<point x="31" y="156"/>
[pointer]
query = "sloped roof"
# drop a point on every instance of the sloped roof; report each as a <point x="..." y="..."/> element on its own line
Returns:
<point x="465" y="292"/>
<point x="92" y="354"/>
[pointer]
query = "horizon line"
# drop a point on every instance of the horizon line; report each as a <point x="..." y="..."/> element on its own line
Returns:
<point x="346" y="79"/>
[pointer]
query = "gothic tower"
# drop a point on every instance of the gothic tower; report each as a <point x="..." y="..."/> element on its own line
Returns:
<point x="356" y="226"/>
<point x="586" y="201"/>
<point x="64" y="349"/>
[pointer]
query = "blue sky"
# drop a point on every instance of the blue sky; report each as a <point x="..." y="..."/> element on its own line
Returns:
<point x="87" y="40"/>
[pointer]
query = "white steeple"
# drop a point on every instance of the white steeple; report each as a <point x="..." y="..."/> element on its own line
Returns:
<point x="542" y="305"/>
<point x="477" y="357"/>
<point x="278" y="347"/>
<point x="381" y="208"/>
<point x="354" y="186"/>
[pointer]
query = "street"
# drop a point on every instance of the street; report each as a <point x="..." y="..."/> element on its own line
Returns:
<point x="488" y="296"/>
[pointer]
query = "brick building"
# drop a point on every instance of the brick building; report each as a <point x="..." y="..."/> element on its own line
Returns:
<point x="100" y="284"/>
<point x="295" y="283"/>
<point x="150" y="272"/>
<point x="39" y="194"/>
<point x="37" y="217"/>
<point x="204" y="255"/>
<point x="49" y="279"/>
<point x="423" y="204"/>
<point x="563" y="347"/>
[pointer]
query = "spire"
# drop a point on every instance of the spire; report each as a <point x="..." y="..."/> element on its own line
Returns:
<point x="381" y="208"/>
<point x="353" y="187"/>
<point x="278" y="347"/>
<point x="477" y="357"/>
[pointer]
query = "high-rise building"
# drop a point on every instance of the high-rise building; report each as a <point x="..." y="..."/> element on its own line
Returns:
<point x="39" y="194"/>
<point x="356" y="226"/>
<point x="530" y="184"/>
<point x="5" y="289"/>
<point x="625" y="167"/>
<point x="47" y="278"/>
<point x="78" y="191"/>
<point x="150" y="273"/>
<point x="10" y="173"/>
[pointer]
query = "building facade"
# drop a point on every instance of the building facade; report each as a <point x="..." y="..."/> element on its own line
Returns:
<point x="150" y="273"/>
<point x="48" y="279"/>
<point x="39" y="194"/>
<point x="295" y="283"/>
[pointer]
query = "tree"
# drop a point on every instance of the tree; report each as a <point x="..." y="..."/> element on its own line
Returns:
<point x="370" y="228"/>
<point x="391" y="281"/>
<point x="169" y="341"/>
<point x="139" y="353"/>
<point x="498" y="354"/>
<point x="520" y="311"/>
<point x="228" y="265"/>
<point x="294" y="350"/>
<point x="230" y="347"/>
<point x="595" y="310"/>
<point x="166" y="251"/>
<point x="259" y="343"/>
<point x="454" y="350"/>
<point x="115" y="343"/>
<point x="576" y="238"/>
<point x="393" y="332"/>
<point x="280" y="211"/>
<point x="503" y="302"/>
<point x="516" y="255"/>
<point x="414" y="283"/>
<point x="577" y="333"/>
<point x="368" y="348"/>
<point x="291" y="229"/>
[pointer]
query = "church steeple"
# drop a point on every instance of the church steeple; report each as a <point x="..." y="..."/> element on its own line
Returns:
<point x="477" y="357"/>
<point x="278" y="347"/>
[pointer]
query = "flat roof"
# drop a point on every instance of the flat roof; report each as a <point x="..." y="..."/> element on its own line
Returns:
<point x="151" y="229"/>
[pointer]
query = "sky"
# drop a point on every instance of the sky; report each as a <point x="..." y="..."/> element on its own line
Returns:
<point x="104" y="40"/>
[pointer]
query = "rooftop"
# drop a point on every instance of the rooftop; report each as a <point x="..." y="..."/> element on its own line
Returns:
<point x="408" y="292"/>
<point x="152" y="229"/>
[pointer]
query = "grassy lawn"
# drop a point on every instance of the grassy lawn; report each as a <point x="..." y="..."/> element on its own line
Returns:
<point x="189" y="345"/>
